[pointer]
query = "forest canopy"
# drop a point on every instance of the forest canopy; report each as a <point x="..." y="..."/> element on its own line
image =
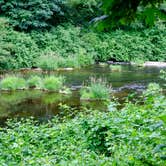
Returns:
<point x="123" y="12"/>
<point x="34" y="14"/>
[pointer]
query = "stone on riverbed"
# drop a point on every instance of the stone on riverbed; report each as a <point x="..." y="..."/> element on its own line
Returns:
<point x="155" y="64"/>
<point x="65" y="69"/>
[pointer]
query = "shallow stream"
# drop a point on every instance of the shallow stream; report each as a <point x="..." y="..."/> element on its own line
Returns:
<point x="43" y="105"/>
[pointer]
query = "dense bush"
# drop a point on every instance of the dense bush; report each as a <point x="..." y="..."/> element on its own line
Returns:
<point x="145" y="11"/>
<point x="71" y="46"/>
<point x="135" y="135"/>
<point x="120" y="45"/>
<point x="33" y="14"/>
<point x="82" y="11"/>
<point x="16" y="49"/>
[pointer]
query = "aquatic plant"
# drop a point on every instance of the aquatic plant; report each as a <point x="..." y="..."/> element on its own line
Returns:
<point x="53" y="83"/>
<point x="34" y="82"/>
<point x="116" y="68"/>
<point x="97" y="90"/>
<point x="12" y="83"/>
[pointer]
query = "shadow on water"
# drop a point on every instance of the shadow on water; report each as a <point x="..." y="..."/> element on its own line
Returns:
<point x="43" y="106"/>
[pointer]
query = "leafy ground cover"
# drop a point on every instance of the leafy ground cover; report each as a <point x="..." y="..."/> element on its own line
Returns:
<point x="133" y="135"/>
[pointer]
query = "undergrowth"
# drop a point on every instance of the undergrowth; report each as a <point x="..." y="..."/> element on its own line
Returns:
<point x="133" y="135"/>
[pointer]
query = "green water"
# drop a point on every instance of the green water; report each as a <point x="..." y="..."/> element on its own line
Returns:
<point x="44" y="106"/>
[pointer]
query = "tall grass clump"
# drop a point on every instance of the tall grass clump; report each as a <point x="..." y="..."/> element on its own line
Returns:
<point x="53" y="83"/>
<point x="12" y="83"/>
<point x="47" y="62"/>
<point x="35" y="82"/>
<point x="51" y="61"/>
<point x="97" y="90"/>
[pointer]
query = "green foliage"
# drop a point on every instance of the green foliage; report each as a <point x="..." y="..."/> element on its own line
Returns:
<point x="133" y="135"/>
<point x="152" y="93"/>
<point x="17" y="49"/>
<point x="46" y="62"/>
<point x="12" y="83"/>
<point x="163" y="74"/>
<point x="50" y="61"/>
<point x="33" y="14"/>
<point x="70" y="46"/>
<point x="133" y="45"/>
<point x="97" y="90"/>
<point x="82" y="11"/>
<point x="128" y="11"/>
<point x="83" y="3"/>
<point x="52" y="83"/>
<point x="34" y="82"/>
<point x="120" y="45"/>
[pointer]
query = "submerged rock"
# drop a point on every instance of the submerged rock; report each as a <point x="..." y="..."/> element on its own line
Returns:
<point x="137" y="87"/>
<point x="118" y="63"/>
<point x="24" y="70"/>
<point x="75" y="88"/>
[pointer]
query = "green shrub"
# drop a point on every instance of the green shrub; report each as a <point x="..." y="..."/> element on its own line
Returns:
<point x="33" y="14"/>
<point x="119" y="45"/>
<point x="98" y="90"/>
<point x="75" y="47"/>
<point x="12" y="83"/>
<point x="17" y="50"/>
<point x="83" y="58"/>
<point x="34" y="82"/>
<point x="52" y="83"/>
